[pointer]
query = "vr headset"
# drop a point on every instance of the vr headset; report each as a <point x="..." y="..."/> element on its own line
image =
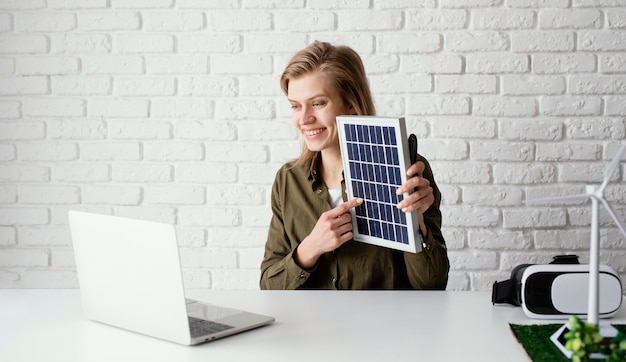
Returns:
<point x="559" y="289"/>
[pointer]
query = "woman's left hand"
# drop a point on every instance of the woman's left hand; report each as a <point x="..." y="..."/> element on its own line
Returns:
<point x="421" y="194"/>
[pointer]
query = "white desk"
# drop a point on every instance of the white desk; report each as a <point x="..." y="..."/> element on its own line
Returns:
<point x="48" y="325"/>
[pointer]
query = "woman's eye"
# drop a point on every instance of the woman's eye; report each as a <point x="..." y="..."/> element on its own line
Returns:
<point x="318" y="104"/>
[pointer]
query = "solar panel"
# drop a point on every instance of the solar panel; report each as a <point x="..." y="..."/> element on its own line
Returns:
<point x="375" y="157"/>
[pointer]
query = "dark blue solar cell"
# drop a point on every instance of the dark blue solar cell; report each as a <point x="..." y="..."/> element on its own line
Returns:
<point x="392" y="136"/>
<point x="375" y="229"/>
<point x="362" y="226"/>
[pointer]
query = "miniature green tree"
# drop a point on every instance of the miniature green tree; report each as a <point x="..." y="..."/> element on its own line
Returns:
<point x="584" y="339"/>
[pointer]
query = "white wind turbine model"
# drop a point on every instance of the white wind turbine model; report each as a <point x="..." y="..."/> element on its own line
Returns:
<point x="596" y="194"/>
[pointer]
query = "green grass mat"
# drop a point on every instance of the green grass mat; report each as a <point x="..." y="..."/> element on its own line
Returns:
<point x="535" y="338"/>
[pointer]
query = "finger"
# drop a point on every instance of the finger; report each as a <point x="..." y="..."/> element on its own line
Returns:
<point x="410" y="185"/>
<point x="345" y="207"/>
<point x="415" y="169"/>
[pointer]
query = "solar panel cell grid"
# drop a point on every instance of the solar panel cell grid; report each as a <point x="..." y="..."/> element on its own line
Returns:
<point x="373" y="159"/>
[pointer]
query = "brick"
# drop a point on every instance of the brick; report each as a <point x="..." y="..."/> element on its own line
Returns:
<point x="615" y="105"/>
<point x="201" y="172"/>
<point x="357" y="20"/>
<point x="22" y="130"/>
<point x="8" y="195"/>
<point x="243" y="109"/>
<point x="82" y="129"/>
<point x="173" y="151"/>
<point x="83" y="44"/>
<point x="143" y="43"/>
<point x="444" y="150"/>
<point x="211" y="86"/>
<point x="273" y="4"/>
<point x="473" y="260"/>
<point x="542" y="41"/>
<point x="500" y="240"/>
<point x="241" y="195"/>
<point x="209" y="216"/>
<point x="504" y="106"/>
<point x="177" y="64"/>
<point x="81" y="85"/>
<point x="563" y="63"/>
<point x="182" y="108"/>
<point x="529" y="130"/>
<point x="310" y="21"/>
<point x="77" y="4"/>
<point x="239" y="237"/>
<point x="29" y="85"/>
<point x="54" y="107"/>
<point x="16" y="216"/>
<point x="612" y="63"/>
<point x="538" y="3"/>
<point x="44" y="22"/>
<point x="81" y="172"/>
<point x="206" y="130"/>
<point x="266" y="131"/>
<point x="7" y="152"/>
<point x="568" y="152"/>
<point x="502" y="151"/>
<point x="553" y="239"/>
<point x="240" y="21"/>
<point x="23" y="5"/>
<point x="532" y="85"/>
<point x="49" y="194"/>
<point x="602" y="40"/>
<point x="113" y="64"/>
<point x="103" y="194"/>
<point x="274" y="43"/>
<point x="199" y="257"/>
<point x="435" y="64"/>
<point x="570" y="106"/>
<point x="171" y="21"/>
<point x="524" y="173"/>
<point x="250" y="258"/>
<point x="483" y="41"/>
<point x="465" y="3"/>
<point x="125" y="129"/>
<point x="410" y="43"/>
<point x="241" y="64"/>
<point x="141" y="4"/>
<point x="118" y="107"/>
<point x="109" y="151"/>
<point x="505" y="19"/>
<point x="47" y="65"/>
<point x="598" y="84"/>
<point x="175" y="195"/>
<point x="595" y="128"/>
<point x="570" y="19"/>
<point x="208" y="4"/>
<point x="6" y="23"/>
<point x="109" y="21"/>
<point x="144" y="86"/>
<point x="440" y="19"/>
<point x="7" y="236"/>
<point x="537" y="217"/>
<point x="495" y="196"/>
<point x="23" y="44"/>
<point x="209" y="43"/>
<point x="23" y="257"/>
<point x="142" y="173"/>
<point x="497" y="63"/>
<point x="466" y="84"/>
<point x="226" y="278"/>
<point x="463" y="172"/>
<point x="24" y="173"/>
<point x="440" y="105"/>
<point x="466" y="127"/>
<point x="616" y="18"/>
<point x="44" y="236"/>
<point x="47" y="151"/>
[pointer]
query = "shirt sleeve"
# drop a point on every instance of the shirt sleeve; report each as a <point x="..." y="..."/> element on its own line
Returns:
<point x="429" y="268"/>
<point x="279" y="269"/>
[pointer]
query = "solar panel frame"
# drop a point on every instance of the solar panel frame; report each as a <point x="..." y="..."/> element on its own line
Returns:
<point x="375" y="156"/>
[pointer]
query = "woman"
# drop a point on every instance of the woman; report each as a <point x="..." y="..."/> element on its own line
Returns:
<point x="309" y="243"/>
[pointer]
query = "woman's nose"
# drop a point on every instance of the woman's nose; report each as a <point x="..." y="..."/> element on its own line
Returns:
<point x="307" y="117"/>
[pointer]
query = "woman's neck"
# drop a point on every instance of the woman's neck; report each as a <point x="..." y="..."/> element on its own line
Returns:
<point x="332" y="168"/>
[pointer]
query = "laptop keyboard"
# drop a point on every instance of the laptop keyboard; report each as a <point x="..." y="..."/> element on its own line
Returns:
<point x="202" y="327"/>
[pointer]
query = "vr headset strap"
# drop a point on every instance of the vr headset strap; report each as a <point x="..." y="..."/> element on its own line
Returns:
<point x="509" y="291"/>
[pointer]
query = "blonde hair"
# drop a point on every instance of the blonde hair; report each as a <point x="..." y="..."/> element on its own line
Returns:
<point x="346" y="69"/>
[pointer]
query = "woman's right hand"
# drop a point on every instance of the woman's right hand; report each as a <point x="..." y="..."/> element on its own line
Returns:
<point x="333" y="229"/>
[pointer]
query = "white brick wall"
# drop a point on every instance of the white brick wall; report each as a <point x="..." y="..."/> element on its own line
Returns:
<point x="170" y="110"/>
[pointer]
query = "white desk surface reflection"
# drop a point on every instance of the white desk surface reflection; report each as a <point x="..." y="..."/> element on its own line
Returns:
<point x="48" y="325"/>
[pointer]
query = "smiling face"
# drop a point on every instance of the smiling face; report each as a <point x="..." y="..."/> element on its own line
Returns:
<point x="315" y="104"/>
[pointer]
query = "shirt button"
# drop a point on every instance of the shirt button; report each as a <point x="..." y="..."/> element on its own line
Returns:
<point x="319" y="191"/>
<point x="302" y="275"/>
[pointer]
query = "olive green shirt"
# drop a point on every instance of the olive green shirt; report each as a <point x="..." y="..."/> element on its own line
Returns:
<point x="299" y="197"/>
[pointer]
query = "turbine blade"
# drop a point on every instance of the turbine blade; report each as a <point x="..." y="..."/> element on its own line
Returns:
<point x="570" y="199"/>
<point x="610" y="170"/>
<point x="613" y="214"/>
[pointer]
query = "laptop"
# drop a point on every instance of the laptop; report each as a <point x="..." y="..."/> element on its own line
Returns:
<point x="129" y="276"/>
